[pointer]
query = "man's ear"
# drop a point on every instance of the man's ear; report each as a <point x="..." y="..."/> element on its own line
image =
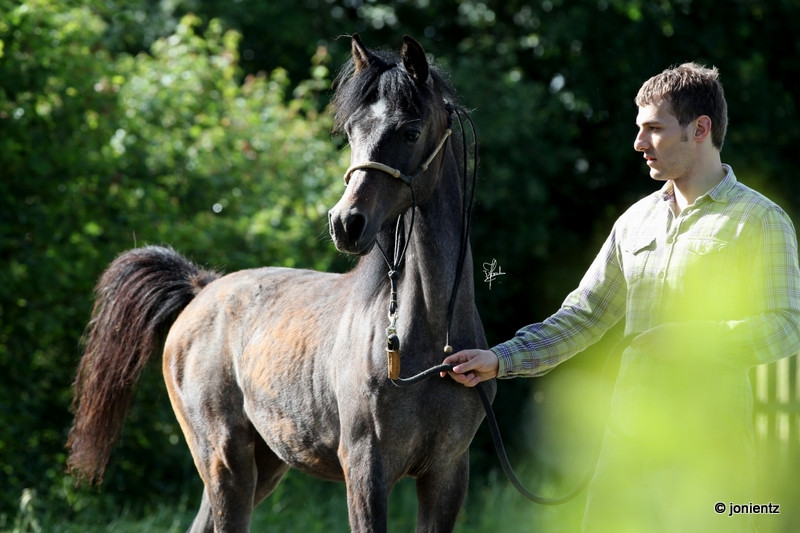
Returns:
<point x="702" y="128"/>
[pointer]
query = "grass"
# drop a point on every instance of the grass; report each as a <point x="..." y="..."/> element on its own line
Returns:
<point x="311" y="506"/>
<point x="307" y="505"/>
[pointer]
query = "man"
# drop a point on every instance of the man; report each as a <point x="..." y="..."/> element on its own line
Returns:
<point x="705" y="274"/>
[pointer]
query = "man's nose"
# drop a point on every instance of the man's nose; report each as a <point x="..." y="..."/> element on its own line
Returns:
<point x="640" y="144"/>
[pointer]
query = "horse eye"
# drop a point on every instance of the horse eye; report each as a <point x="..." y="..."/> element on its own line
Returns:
<point x="412" y="136"/>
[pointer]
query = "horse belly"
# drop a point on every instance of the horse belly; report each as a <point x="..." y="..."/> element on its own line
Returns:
<point x="301" y="439"/>
<point x="289" y="403"/>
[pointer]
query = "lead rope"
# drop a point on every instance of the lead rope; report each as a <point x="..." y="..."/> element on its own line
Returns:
<point x="393" y="340"/>
<point x="466" y="215"/>
<point x="497" y="439"/>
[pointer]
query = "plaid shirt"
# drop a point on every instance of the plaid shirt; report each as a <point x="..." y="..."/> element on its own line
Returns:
<point x="726" y="267"/>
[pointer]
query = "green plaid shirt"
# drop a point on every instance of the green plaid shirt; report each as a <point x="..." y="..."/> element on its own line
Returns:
<point x="727" y="267"/>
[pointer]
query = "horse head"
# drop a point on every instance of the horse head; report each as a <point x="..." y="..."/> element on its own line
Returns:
<point x="395" y="115"/>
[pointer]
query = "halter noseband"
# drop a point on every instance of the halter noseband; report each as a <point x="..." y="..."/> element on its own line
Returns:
<point x="408" y="180"/>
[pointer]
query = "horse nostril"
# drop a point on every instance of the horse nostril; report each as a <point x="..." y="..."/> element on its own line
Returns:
<point x="354" y="226"/>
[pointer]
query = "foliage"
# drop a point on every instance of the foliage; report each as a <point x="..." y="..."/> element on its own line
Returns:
<point x="103" y="152"/>
<point x="203" y="124"/>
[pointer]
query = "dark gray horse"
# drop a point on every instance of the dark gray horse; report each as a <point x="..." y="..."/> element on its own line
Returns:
<point x="275" y="368"/>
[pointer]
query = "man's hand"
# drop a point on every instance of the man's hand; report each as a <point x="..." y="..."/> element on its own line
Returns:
<point x="472" y="366"/>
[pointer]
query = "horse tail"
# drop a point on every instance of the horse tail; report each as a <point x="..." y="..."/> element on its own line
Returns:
<point x="137" y="299"/>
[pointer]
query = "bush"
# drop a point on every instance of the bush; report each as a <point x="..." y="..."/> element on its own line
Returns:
<point x="104" y="151"/>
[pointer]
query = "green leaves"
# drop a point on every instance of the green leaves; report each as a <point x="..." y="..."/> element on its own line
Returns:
<point x="123" y="123"/>
<point x="102" y="152"/>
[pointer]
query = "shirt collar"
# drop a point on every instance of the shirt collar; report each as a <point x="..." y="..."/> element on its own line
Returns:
<point x="720" y="193"/>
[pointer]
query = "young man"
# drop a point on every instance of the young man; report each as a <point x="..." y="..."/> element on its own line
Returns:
<point x="705" y="274"/>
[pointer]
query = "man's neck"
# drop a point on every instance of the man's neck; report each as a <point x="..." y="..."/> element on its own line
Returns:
<point x="689" y="188"/>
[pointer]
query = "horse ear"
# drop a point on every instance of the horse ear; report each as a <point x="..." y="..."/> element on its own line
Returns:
<point x="361" y="56"/>
<point x="414" y="59"/>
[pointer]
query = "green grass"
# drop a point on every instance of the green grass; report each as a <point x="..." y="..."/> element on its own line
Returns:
<point x="305" y="505"/>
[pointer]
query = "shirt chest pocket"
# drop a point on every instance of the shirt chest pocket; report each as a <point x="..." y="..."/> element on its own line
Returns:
<point x="716" y="281"/>
<point x="635" y="259"/>
<point x="708" y="261"/>
<point x="705" y="247"/>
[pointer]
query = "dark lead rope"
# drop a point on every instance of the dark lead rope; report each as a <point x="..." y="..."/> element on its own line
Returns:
<point x="466" y="209"/>
<point x="394" y="341"/>
<point x="609" y="371"/>
<point x="497" y="439"/>
<point x="401" y="240"/>
<point x="506" y="464"/>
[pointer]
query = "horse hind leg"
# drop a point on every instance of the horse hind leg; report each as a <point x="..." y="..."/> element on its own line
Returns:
<point x="204" y="519"/>
<point x="269" y="472"/>
<point x="220" y="437"/>
<point x="226" y="463"/>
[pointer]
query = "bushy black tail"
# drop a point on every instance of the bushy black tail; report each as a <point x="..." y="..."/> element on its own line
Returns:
<point x="137" y="299"/>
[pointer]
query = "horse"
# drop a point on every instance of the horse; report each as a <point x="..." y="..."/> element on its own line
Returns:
<point x="273" y="368"/>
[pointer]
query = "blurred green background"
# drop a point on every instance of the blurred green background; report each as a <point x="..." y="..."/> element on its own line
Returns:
<point x="203" y="124"/>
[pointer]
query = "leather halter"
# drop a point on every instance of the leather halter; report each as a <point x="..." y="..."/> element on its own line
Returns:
<point x="408" y="180"/>
<point x="392" y="339"/>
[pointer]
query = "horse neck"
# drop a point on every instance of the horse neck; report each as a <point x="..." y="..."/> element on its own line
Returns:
<point x="435" y="242"/>
<point x="431" y="262"/>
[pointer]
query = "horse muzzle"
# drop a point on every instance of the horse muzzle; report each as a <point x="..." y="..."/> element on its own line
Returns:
<point x="350" y="230"/>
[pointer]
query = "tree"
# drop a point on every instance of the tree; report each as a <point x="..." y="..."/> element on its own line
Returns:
<point x="125" y="122"/>
<point x="102" y="152"/>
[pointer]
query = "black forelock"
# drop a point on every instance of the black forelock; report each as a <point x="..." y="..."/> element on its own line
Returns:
<point x="384" y="76"/>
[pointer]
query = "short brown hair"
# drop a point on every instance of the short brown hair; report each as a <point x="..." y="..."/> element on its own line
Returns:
<point x="692" y="90"/>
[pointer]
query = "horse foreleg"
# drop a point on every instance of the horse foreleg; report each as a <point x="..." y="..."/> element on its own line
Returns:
<point x="366" y="487"/>
<point x="440" y="495"/>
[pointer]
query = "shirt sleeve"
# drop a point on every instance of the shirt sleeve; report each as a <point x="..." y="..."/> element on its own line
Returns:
<point x="772" y="331"/>
<point x="589" y="311"/>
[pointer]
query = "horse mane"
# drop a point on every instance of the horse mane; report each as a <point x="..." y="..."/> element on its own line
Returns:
<point x="384" y="75"/>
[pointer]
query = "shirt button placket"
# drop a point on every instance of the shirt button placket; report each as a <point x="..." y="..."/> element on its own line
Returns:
<point x="664" y="258"/>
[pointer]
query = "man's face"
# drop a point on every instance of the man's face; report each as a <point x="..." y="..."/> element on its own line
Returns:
<point x="662" y="141"/>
